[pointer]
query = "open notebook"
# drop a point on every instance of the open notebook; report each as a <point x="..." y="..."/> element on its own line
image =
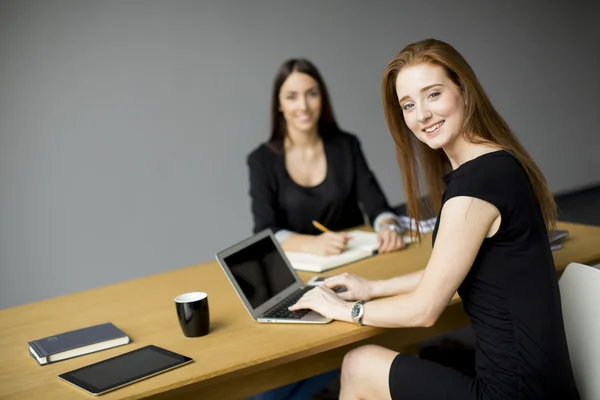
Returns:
<point x="361" y="245"/>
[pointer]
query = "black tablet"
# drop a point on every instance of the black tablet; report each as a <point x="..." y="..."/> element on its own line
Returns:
<point x="122" y="370"/>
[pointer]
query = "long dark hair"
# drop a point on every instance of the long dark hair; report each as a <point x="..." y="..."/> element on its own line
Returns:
<point x="327" y="124"/>
<point x="422" y="167"/>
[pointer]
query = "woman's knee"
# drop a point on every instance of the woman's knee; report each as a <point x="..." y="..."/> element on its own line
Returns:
<point x="356" y="360"/>
<point x="365" y="371"/>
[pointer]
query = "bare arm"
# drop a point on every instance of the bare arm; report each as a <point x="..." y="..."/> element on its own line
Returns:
<point x="464" y="223"/>
<point x="397" y="285"/>
<point x="362" y="289"/>
<point x="296" y="242"/>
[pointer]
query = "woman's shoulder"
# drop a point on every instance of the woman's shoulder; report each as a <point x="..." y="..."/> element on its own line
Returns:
<point x="497" y="172"/>
<point x="341" y="135"/>
<point x="493" y="165"/>
<point x="342" y="138"/>
<point x="264" y="152"/>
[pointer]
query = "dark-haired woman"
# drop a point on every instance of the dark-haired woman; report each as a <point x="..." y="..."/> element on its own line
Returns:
<point x="311" y="170"/>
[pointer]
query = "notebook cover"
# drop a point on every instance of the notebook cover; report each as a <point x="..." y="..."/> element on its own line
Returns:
<point x="74" y="339"/>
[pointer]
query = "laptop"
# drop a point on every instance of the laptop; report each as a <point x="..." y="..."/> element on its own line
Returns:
<point x="265" y="281"/>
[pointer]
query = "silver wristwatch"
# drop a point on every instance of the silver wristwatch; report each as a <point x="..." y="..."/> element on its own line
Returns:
<point x="357" y="312"/>
<point x="392" y="227"/>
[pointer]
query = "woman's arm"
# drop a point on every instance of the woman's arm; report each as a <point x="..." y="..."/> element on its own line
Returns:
<point x="369" y="192"/>
<point x="362" y="289"/>
<point x="297" y="242"/>
<point x="398" y="285"/>
<point x="374" y="203"/>
<point x="263" y="193"/>
<point x="464" y="223"/>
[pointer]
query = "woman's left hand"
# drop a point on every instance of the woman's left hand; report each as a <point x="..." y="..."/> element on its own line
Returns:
<point x="326" y="302"/>
<point x="389" y="240"/>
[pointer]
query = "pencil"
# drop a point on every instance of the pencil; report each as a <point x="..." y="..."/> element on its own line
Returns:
<point x="320" y="227"/>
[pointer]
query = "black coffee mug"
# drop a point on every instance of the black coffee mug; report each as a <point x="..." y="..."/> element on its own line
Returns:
<point x="192" y="312"/>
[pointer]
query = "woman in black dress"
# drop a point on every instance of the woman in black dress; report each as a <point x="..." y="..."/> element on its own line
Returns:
<point x="490" y="244"/>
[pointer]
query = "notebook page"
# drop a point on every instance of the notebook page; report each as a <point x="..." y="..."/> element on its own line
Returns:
<point x="362" y="239"/>
<point x="361" y="245"/>
<point x="315" y="263"/>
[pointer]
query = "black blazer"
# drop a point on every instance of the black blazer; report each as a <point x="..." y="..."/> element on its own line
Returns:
<point x="280" y="203"/>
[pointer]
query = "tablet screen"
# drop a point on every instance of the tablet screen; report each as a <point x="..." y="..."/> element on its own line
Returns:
<point x="127" y="368"/>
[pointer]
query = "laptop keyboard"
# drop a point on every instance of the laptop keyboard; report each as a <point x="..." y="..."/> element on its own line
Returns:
<point x="281" y="310"/>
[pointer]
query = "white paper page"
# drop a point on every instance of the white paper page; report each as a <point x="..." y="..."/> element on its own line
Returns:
<point x="315" y="263"/>
<point x="361" y="245"/>
<point x="362" y="239"/>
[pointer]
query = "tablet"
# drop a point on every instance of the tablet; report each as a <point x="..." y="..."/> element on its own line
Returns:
<point x="125" y="369"/>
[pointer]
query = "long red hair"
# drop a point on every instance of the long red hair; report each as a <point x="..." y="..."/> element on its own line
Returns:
<point x="422" y="167"/>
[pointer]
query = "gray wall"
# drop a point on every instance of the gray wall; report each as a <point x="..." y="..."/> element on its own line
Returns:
<point x="124" y="125"/>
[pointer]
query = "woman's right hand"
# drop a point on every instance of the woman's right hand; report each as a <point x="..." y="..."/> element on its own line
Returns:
<point x="357" y="288"/>
<point x="328" y="243"/>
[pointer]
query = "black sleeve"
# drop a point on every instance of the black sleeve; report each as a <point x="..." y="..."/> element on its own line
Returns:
<point x="369" y="192"/>
<point x="488" y="181"/>
<point x="263" y="193"/>
<point x="500" y="180"/>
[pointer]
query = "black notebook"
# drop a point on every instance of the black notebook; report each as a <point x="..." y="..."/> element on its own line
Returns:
<point x="76" y="343"/>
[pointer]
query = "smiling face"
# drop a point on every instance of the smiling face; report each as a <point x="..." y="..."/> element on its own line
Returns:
<point x="300" y="102"/>
<point x="432" y="105"/>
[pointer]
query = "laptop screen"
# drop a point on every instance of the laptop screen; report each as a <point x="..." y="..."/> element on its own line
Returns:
<point x="260" y="271"/>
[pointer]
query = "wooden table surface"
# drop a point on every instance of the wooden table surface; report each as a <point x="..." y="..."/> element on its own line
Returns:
<point x="239" y="357"/>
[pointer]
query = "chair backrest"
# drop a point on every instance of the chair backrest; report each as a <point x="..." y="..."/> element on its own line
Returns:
<point x="580" y="295"/>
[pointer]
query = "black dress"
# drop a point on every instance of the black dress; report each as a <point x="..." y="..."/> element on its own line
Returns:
<point x="280" y="203"/>
<point x="511" y="296"/>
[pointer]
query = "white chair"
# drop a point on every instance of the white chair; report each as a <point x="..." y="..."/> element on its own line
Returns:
<point x="580" y="295"/>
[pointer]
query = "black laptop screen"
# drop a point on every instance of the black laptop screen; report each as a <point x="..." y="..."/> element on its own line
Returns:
<point x="260" y="271"/>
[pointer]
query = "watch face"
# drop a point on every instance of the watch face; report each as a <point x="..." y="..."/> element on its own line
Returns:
<point x="356" y="310"/>
<point x="394" y="228"/>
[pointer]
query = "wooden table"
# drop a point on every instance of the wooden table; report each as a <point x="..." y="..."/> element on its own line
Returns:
<point x="239" y="357"/>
